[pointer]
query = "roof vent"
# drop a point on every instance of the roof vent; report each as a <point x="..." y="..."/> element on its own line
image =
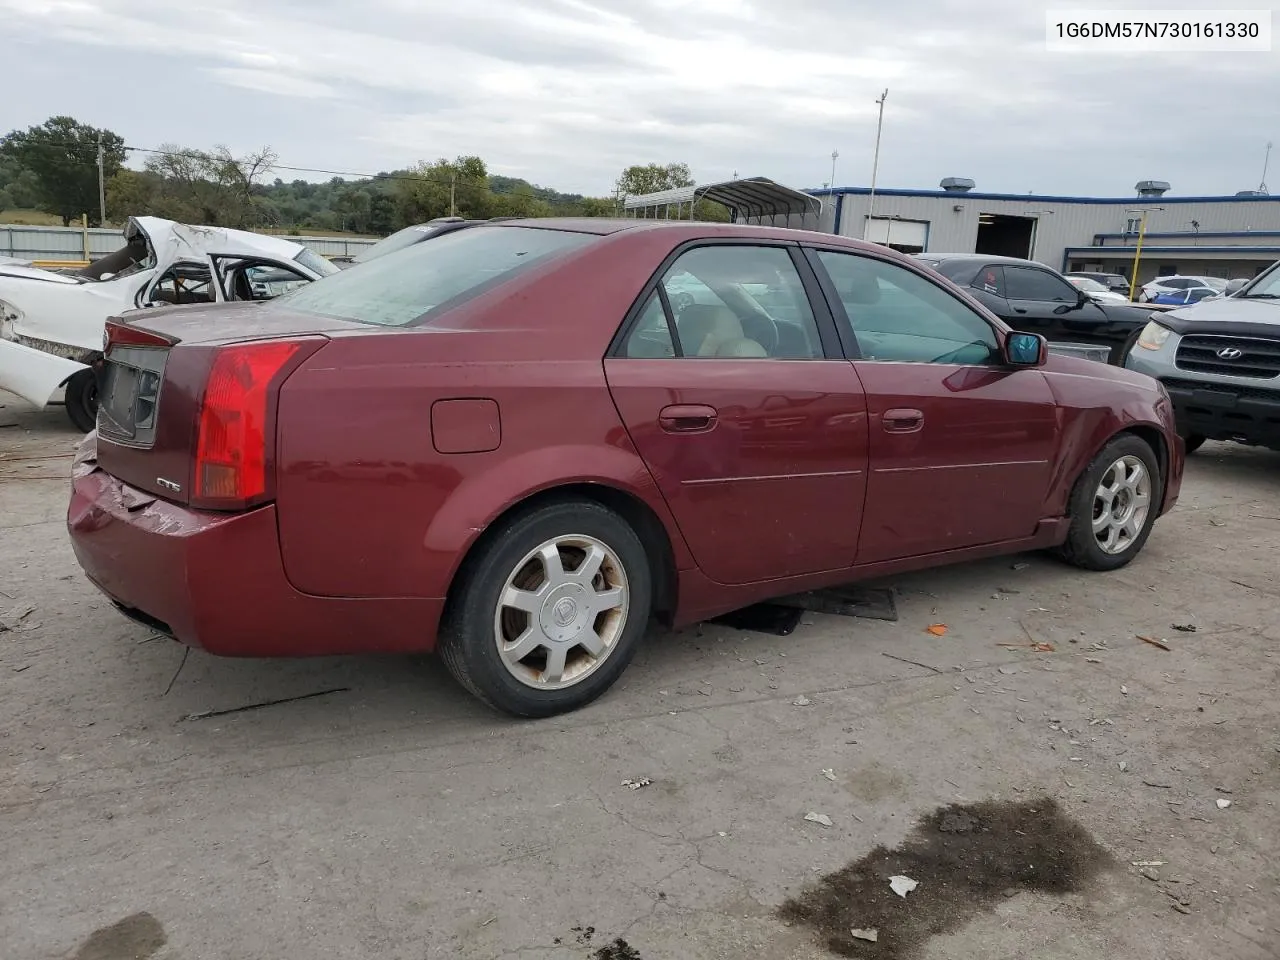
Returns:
<point x="1252" y="193"/>
<point x="956" y="184"/>
<point x="1152" y="188"/>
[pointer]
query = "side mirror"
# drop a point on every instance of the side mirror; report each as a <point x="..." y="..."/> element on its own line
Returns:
<point x="1235" y="286"/>
<point x="1026" y="350"/>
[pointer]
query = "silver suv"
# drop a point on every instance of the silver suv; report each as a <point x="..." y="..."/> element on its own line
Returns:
<point x="1220" y="362"/>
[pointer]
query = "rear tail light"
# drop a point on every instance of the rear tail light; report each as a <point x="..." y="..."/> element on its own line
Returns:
<point x="120" y="334"/>
<point x="233" y="444"/>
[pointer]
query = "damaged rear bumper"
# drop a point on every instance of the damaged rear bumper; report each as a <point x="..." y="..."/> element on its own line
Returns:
<point x="217" y="581"/>
<point x="32" y="374"/>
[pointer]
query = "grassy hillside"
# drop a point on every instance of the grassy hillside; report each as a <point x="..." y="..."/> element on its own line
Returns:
<point x="30" y="218"/>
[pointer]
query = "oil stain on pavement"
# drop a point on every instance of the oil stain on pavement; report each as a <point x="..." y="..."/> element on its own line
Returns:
<point x="134" y="938"/>
<point x="966" y="860"/>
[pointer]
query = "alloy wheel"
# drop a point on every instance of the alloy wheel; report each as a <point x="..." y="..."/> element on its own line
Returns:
<point x="1121" y="504"/>
<point x="561" y="612"/>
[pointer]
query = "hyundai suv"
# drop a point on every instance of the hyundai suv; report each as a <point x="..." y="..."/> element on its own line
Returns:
<point x="1220" y="362"/>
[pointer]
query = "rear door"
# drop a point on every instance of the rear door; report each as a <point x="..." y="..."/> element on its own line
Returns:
<point x="960" y="446"/>
<point x="255" y="278"/>
<point x="752" y="423"/>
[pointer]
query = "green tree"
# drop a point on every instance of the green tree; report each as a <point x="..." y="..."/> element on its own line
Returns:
<point x="652" y="177"/>
<point x="62" y="154"/>
<point x="209" y="187"/>
<point x="19" y="185"/>
<point x="353" y="206"/>
<point x="457" y="187"/>
<point x="131" y="193"/>
<point x="520" y="202"/>
<point x="382" y="213"/>
<point x="598" y="207"/>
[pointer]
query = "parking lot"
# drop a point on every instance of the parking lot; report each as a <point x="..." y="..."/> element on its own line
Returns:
<point x="372" y="809"/>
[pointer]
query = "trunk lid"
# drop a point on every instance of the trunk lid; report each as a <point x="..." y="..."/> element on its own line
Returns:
<point x="152" y="383"/>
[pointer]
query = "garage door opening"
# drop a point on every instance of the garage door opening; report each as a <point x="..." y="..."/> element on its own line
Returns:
<point x="905" y="236"/>
<point x="1000" y="235"/>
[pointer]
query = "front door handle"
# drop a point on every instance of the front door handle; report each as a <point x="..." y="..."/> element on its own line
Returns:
<point x="903" y="420"/>
<point x="1019" y="309"/>
<point x="687" y="418"/>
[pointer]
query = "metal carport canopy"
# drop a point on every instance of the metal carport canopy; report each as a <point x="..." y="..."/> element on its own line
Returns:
<point x="749" y="197"/>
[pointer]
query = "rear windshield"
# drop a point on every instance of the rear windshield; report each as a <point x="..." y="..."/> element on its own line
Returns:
<point x="402" y="287"/>
<point x="397" y="241"/>
<point x="952" y="268"/>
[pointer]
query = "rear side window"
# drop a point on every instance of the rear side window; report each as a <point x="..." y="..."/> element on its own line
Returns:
<point x="407" y="285"/>
<point x="990" y="279"/>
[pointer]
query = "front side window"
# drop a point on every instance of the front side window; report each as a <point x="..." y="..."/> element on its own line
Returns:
<point x="409" y="285"/>
<point x="1027" y="283"/>
<point x="897" y="315"/>
<point x="741" y="301"/>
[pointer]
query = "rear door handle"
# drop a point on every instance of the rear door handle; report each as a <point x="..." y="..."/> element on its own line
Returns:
<point x="903" y="420"/>
<point x="687" y="418"/>
<point x="1019" y="309"/>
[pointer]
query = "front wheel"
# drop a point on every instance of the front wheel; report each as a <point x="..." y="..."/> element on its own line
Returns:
<point x="82" y="400"/>
<point x="550" y="611"/>
<point x="1114" y="506"/>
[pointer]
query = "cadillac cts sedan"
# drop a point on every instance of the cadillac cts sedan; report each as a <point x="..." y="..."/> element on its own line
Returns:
<point x="523" y="441"/>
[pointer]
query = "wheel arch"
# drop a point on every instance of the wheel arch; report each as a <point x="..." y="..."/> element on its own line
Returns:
<point x="1148" y="433"/>
<point x="639" y="515"/>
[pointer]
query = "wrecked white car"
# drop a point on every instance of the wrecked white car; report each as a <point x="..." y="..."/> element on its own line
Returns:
<point x="51" y="322"/>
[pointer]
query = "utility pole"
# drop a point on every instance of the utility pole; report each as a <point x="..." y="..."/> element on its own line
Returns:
<point x="875" y="162"/>
<point x="102" y="184"/>
<point x="453" y="183"/>
<point x="835" y="155"/>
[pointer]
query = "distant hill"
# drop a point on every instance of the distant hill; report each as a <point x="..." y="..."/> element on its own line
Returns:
<point x="508" y="185"/>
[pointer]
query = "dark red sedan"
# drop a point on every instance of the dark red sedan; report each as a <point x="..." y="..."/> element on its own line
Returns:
<point x="521" y="441"/>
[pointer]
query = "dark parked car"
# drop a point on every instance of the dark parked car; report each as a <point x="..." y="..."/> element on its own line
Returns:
<point x="416" y="234"/>
<point x="1031" y="297"/>
<point x="1112" y="281"/>
<point x="509" y="443"/>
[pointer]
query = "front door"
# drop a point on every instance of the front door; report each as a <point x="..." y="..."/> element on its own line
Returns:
<point x="960" y="446"/>
<point x="753" y="426"/>
<point x="1044" y="303"/>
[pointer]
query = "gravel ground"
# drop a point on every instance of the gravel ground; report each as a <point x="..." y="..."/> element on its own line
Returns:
<point x="395" y="817"/>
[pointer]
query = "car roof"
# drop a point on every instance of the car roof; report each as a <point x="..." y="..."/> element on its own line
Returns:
<point x="979" y="258"/>
<point x="692" y="229"/>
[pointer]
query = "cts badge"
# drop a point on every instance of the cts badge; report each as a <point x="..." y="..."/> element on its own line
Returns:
<point x="168" y="485"/>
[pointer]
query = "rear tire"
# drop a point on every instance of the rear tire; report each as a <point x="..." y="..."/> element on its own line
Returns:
<point x="549" y="611"/>
<point x="1114" y="506"/>
<point x="82" y="400"/>
<point x="1194" y="442"/>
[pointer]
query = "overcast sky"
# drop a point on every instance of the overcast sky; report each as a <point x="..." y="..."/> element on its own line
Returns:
<point x="567" y="92"/>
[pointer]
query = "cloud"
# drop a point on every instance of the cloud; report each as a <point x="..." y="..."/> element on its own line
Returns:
<point x="569" y="91"/>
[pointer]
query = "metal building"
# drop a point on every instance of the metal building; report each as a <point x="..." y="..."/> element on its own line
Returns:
<point x="1215" y="236"/>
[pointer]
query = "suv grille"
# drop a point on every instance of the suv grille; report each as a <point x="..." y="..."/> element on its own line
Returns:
<point x="1245" y="357"/>
<point x="1229" y="356"/>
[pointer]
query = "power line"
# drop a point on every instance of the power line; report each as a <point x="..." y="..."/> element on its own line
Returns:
<point x="197" y="155"/>
<point x="281" y="166"/>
